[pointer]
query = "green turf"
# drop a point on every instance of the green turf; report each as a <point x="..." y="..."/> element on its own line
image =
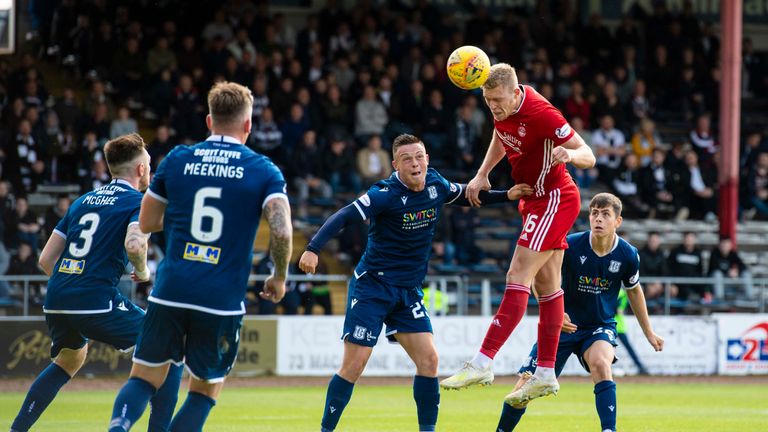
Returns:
<point x="642" y="407"/>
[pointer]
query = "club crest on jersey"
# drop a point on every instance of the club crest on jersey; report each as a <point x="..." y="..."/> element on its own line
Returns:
<point x="432" y="192"/>
<point x="70" y="266"/>
<point x="521" y="131"/>
<point x="614" y="266"/>
<point x="563" y="131"/>
<point x="201" y="253"/>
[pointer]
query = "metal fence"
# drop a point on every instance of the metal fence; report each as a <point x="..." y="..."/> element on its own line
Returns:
<point x="473" y="295"/>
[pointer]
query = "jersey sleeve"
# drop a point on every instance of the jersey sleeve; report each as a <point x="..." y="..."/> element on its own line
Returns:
<point x="555" y="127"/>
<point x="63" y="226"/>
<point x="373" y="202"/>
<point x="157" y="187"/>
<point x="134" y="216"/>
<point x="453" y="190"/>
<point x="275" y="185"/>
<point x="632" y="273"/>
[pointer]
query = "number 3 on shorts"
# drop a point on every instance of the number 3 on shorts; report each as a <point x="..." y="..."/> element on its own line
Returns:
<point x="418" y="310"/>
<point x="530" y="224"/>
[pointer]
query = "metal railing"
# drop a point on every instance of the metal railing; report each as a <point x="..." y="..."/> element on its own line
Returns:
<point x="460" y="292"/>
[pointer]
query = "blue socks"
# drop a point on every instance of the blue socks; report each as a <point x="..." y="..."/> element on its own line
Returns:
<point x="605" y="401"/>
<point x="426" y="393"/>
<point x="130" y="404"/>
<point x="164" y="401"/>
<point x="510" y="417"/>
<point x="40" y="395"/>
<point x="336" y="399"/>
<point x="191" y="417"/>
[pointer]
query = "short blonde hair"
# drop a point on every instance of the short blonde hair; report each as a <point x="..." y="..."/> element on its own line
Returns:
<point x="501" y="74"/>
<point x="229" y="103"/>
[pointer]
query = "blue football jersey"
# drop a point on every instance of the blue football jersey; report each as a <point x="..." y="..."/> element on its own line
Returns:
<point x="214" y="193"/>
<point x="402" y="227"/>
<point x="592" y="283"/>
<point x="85" y="277"/>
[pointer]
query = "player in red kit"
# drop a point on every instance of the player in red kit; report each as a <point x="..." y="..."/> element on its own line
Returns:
<point x="537" y="142"/>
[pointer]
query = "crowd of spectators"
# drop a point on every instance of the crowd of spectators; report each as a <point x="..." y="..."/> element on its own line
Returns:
<point x="332" y="89"/>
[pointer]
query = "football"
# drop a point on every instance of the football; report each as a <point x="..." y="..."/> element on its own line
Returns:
<point x="468" y="67"/>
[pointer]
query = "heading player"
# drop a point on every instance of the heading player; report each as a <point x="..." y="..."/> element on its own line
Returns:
<point x="386" y="288"/>
<point x="85" y="257"/>
<point x="537" y="142"/>
<point x="597" y="265"/>
<point x="208" y="198"/>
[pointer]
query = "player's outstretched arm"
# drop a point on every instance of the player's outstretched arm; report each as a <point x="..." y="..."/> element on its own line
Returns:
<point x="637" y="302"/>
<point x="492" y="196"/>
<point x="151" y="214"/>
<point x="574" y="151"/>
<point x="51" y="252"/>
<point x="278" y="214"/>
<point x="345" y="216"/>
<point x="136" y="248"/>
<point x="494" y="154"/>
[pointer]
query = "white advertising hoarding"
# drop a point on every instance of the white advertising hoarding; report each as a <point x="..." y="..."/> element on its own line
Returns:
<point x="311" y="346"/>
<point x="743" y="344"/>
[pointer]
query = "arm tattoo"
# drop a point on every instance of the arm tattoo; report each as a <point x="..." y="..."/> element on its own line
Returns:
<point x="136" y="247"/>
<point x="278" y="214"/>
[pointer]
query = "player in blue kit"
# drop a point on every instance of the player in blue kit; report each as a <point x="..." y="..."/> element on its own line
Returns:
<point x="598" y="263"/>
<point x="208" y="198"/>
<point x="386" y="288"/>
<point x="85" y="257"/>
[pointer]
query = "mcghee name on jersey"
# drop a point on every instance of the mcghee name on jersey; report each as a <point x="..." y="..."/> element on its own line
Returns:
<point x="214" y="163"/>
<point x="104" y="196"/>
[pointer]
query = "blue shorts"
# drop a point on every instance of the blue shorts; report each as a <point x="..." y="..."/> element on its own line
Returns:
<point x="206" y="343"/>
<point x="371" y="303"/>
<point x="573" y="343"/>
<point x="119" y="327"/>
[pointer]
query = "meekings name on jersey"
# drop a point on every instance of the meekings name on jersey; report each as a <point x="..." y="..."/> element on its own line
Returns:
<point x="214" y="163"/>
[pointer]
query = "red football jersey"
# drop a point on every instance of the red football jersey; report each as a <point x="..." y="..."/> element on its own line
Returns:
<point x="529" y="136"/>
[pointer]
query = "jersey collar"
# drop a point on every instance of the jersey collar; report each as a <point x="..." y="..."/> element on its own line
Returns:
<point x="522" y="89"/>
<point x="223" y="139"/>
<point x="615" y="242"/>
<point x="122" y="182"/>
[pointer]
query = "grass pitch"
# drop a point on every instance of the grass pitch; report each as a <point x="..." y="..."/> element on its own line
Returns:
<point x="643" y="406"/>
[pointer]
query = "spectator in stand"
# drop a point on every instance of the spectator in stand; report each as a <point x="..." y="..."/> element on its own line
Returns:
<point x="99" y="175"/>
<point x="217" y="28"/>
<point x="68" y="110"/>
<point x="583" y="178"/>
<point x="54" y="214"/>
<point x="686" y="261"/>
<point x="611" y="147"/>
<point x="464" y="222"/>
<point x="608" y="103"/>
<point x="725" y="262"/>
<point x="189" y="57"/>
<point x="690" y="94"/>
<point x="658" y="186"/>
<point x="702" y="182"/>
<point x="339" y="167"/>
<point x="645" y="140"/>
<point x="436" y="121"/>
<point x="639" y="106"/>
<point x="260" y="98"/>
<point x="25" y="224"/>
<point x="757" y="187"/>
<point x="160" y="146"/>
<point x="703" y="140"/>
<point x="465" y="140"/>
<point x="576" y="105"/>
<point x="626" y="185"/>
<point x="129" y="71"/>
<point x="188" y="111"/>
<point x="653" y="262"/>
<point x="241" y="46"/>
<point x="370" y="115"/>
<point x="160" y="97"/>
<point x="96" y="97"/>
<point x="373" y="162"/>
<point x="160" y="57"/>
<point x="753" y="146"/>
<point x="20" y="155"/>
<point x="267" y="138"/>
<point x="293" y="129"/>
<point x="123" y="124"/>
<point x="306" y="170"/>
<point x="24" y="262"/>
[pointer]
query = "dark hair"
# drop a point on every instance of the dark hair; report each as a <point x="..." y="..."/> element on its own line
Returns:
<point x="122" y="150"/>
<point x="604" y="200"/>
<point x="403" y="139"/>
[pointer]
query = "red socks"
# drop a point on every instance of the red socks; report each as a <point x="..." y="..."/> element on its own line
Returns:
<point x="551" y="310"/>
<point x="510" y="312"/>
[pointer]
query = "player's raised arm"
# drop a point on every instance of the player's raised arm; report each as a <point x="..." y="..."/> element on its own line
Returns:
<point x="480" y="182"/>
<point x="637" y="302"/>
<point x="278" y="214"/>
<point x="574" y="151"/>
<point x="345" y="216"/>
<point x="136" y="248"/>
<point x="489" y="196"/>
<point x="51" y="252"/>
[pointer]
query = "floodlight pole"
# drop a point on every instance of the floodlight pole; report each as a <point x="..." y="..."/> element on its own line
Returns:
<point x="730" y="115"/>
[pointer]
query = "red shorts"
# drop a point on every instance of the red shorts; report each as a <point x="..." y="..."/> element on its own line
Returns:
<point x="547" y="219"/>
